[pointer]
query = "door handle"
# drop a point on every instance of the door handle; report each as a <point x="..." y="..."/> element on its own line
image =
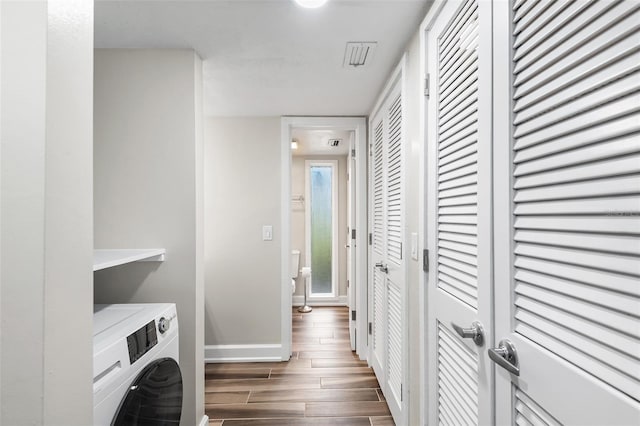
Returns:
<point x="475" y="332"/>
<point x="505" y="356"/>
<point x="382" y="267"/>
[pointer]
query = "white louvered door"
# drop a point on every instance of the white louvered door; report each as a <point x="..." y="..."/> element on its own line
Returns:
<point x="388" y="267"/>
<point x="379" y="305"/>
<point x="459" y="221"/>
<point x="395" y="270"/>
<point x="567" y="212"/>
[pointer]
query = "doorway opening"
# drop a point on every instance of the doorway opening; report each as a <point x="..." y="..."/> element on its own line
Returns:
<point x="319" y="223"/>
<point x="324" y="196"/>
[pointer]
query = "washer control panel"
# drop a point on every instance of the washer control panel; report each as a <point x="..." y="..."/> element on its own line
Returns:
<point x="141" y="341"/>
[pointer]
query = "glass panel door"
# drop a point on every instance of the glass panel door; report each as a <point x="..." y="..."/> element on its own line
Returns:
<point x="321" y="178"/>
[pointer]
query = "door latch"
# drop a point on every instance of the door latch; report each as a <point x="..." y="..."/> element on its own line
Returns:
<point x="505" y="356"/>
<point x="475" y="332"/>
<point x="382" y="267"/>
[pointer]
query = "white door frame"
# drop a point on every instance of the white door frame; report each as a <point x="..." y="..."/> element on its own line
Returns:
<point x="359" y="126"/>
<point x="351" y="247"/>
<point x="425" y="27"/>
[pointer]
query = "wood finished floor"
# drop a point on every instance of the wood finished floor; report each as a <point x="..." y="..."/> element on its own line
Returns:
<point x="324" y="383"/>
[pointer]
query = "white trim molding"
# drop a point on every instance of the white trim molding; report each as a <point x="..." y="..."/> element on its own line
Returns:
<point x="204" y="421"/>
<point x="425" y="27"/>
<point x="322" y="301"/>
<point x="285" y="231"/>
<point x="243" y="353"/>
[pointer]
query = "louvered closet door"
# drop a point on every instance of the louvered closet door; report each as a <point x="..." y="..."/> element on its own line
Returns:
<point x="378" y="252"/>
<point x="388" y="267"/>
<point x="568" y="255"/>
<point x="394" y="185"/>
<point x="459" y="230"/>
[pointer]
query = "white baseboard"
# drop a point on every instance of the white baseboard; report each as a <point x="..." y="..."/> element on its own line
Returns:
<point x="242" y="353"/>
<point x="204" y="421"/>
<point x="329" y="301"/>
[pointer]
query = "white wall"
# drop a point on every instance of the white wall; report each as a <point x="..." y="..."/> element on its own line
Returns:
<point x="46" y="212"/>
<point x="1" y="138"/>
<point x="148" y="172"/>
<point x="242" y="272"/>
<point x="298" y="217"/>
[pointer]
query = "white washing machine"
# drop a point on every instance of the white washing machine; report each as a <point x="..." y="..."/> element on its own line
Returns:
<point x="136" y="376"/>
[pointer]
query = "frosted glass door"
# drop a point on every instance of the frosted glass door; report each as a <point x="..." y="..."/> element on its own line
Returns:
<point x="321" y="178"/>
<point x="321" y="227"/>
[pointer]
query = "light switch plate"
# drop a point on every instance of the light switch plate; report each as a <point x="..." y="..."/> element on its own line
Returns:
<point x="414" y="246"/>
<point x="267" y="233"/>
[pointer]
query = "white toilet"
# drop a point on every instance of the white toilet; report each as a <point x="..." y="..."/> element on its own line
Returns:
<point x="295" y="267"/>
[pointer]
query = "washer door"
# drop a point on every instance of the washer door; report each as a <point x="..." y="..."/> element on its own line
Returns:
<point x="154" y="397"/>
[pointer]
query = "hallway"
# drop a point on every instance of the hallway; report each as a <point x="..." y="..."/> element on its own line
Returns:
<point x="324" y="383"/>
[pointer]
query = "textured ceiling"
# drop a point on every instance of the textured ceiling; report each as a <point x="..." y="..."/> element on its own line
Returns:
<point x="270" y="57"/>
<point x="314" y="142"/>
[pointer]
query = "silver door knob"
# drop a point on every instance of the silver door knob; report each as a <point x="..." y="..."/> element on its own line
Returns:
<point x="475" y="332"/>
<point x="505" y="356"/>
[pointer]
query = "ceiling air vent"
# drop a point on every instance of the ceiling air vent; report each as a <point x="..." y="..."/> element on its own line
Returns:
<point x="358" y="53"/>
<point x="334" y="142"/>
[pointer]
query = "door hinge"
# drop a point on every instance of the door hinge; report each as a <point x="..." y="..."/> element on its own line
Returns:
<point x="401" y="393"/>
<point x="426" y="85"/>
<point x="401" y="252"/>
<point x="353" y="153"/>
<point x="370" y="238"/>
<point x="353" y="234"/>
<point x="353" y="315"/>
<point x="370" y="328"/>
<point x="425" y="260"/>
<point x="348" y="284"/>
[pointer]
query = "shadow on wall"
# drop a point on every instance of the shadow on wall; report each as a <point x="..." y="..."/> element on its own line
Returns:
<point x="121" y="283"/>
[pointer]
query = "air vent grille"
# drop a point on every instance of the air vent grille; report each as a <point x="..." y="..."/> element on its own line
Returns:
<point x="358" y="54"/>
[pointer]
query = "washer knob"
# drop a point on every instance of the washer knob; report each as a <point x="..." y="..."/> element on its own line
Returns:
<point x="163" y="325"/>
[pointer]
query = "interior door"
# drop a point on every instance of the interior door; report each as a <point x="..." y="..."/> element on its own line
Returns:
<point x="568" y="213"/>
<point x="459" y="214"/>
<point x="389" y="341"/>
<point x="394" y="265"/>
<point x="351" y="241"/>
<point x="321" y="217"/>
<point x="379" y="280"/>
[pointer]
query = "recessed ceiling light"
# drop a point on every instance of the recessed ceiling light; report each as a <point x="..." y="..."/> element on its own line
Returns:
<point x="311" y="4"/>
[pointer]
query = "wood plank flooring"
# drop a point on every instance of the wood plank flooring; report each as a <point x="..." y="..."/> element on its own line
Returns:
<point x="324" y="383"/>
